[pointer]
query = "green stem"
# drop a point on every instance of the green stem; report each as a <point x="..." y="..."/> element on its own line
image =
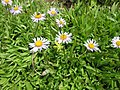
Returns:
<point x="33" y="63"/>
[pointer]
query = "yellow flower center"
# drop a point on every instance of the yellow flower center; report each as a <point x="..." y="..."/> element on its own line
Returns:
<point x="53" y="12"/>
<point x="16" y="8"/>
<point x="63" y="36"/>
<point x="6" y="1"/>
<point x="61" y="22"/>
<point x="38" y="43"/>
<point x="38" y="16"/>
<point x="91" y="45"/>
<point x="118" y="43"/>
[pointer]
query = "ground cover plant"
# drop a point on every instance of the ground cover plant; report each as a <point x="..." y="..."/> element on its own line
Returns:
<point x="47" y="47"/>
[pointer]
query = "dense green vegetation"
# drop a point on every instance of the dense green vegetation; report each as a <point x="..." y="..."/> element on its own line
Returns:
<point x="71" y="66"/>
<point x="107" y="2"/>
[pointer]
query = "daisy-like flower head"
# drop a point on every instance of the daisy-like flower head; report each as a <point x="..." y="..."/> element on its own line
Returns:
<point x="16" y="10"/>
<point x="38" y="17"/>
<point x="64" y="37"/>
<point x="6" y="2"/>
<point x="116" y="42"/>
<point x="53" y="11"/>
<point x="92" y="45"/>
<point x="39" y="44"/>
<point x="61" y="22"/>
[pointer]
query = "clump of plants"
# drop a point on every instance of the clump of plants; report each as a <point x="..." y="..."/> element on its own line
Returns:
<point x="49" y="47"/>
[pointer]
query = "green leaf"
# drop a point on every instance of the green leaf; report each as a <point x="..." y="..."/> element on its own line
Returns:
<point x="2" y="72"/>
<point x="28" y="85"/>
<point x="3" y="80"/>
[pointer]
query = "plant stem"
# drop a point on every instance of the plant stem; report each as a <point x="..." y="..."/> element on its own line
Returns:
<point x="33" y="63"/>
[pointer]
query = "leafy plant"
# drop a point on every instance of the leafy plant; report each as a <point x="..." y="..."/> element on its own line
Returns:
<point x="62" y="66"/>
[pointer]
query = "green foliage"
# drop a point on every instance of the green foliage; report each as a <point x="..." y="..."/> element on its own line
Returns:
<point x="71" y="66"/>
<point x="89" y="2"/>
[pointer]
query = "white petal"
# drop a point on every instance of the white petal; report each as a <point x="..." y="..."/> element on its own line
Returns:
<point x="34" y="39"/>
<point x="32" y="45"/>
<point x="35" y="49"/>
<point x="38" y="39"/>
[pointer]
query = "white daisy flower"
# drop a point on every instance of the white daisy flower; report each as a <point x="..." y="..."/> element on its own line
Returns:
<point x="91" y="45"/>
<point x="16" y="10"/>
<point x="53" y="11"/>
<point x="39" y="44"/>
<point x="61" y="22"/>
<point x="64" y="37"/>
<point x="116" y="42"/>
<point x="38" y="17"/>
<point x="6" y="2"/>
